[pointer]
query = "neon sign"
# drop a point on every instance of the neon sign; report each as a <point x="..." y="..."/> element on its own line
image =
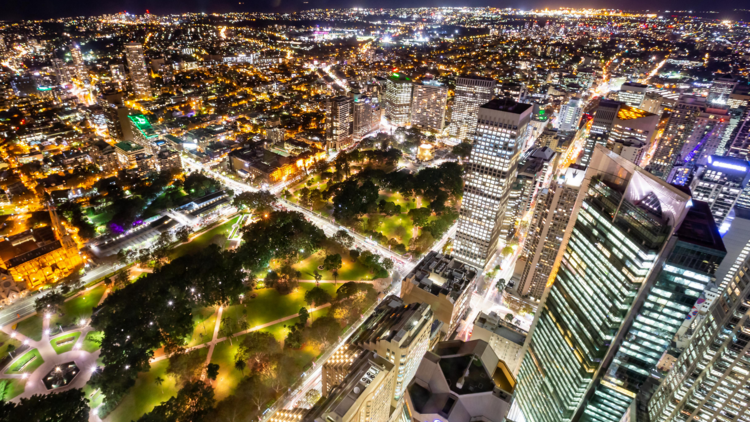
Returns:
<point x="726" y="165"/>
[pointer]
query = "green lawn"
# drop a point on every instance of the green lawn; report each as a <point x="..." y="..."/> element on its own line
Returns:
<point x="349" y="270"/>
<point x="399" y="226"/>
<point x="145" y="394"/>
<point x="31" y="327"/>
<point x="270" y="305"/>
<point x="91" y="342"/>
<point x="30" y="367"/>
<point x="73" y="310"/>
<point x="11" y="388"/>
<point x="94" y="395"/>
<point x="68" y="346"/>
<point x="406" y="203"/>
<point x="101" y="218"/>
<point x="6" y="341"/>
<point x="204" y="320"/>
<point x="203" y="240"/>
<point x="224" y="352"/>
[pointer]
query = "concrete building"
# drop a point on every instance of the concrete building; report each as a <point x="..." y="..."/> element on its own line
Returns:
<point x="397" y="104"/>
<point x="428" y="105"/>
<point x="79" y="67"/>
<point x="470" y="94"/>
<point x="489" y="179"/>
<point x="604" y="116"/>
<point x="720" y="183"/>
<point x="679" y="128"/>
<point x="720" y="91"/>
<point x="363" y="395"/>
<point x="535" y="173"/>
<point x="339" y="122"/>
<point x="367" y="115"/>
<point x="632" y="94"/>
<point x="461" y="382"/>
<point x="143" y="133"/>
<point x="443" y="283"/>
<point x="633" y="130"/>
<point x="505" y="339"/>
<point x="139" y="77"/>
<point x="570" y="115"/>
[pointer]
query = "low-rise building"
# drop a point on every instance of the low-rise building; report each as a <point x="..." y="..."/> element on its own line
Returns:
<point x="505" y="338"/>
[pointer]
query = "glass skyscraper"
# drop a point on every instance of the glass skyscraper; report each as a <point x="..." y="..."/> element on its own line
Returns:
<point x="636" y="258"/>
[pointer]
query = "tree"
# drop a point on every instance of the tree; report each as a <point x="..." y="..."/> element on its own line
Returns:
<point x="316" y="297"/>
<point x="335" y="274"/>
<point x="344" y="238"/>
<point x="303" y="316"/>
<point x="259" y="202"/>
<point x="317" y="276"/>
<point x="226" y="328"/>
<point x="183" y="234"/>
<point x="212" y="371"/>
<point x="185" y="366"/>
<point x="500" y="285"/>
<point x="325" y="330"/>
<point x="509" y="317"/>
<point x="420" y="216"/>
<point x="332" y="262"/>
<point x="293" y="340"/>
<point x="462" y="150"/>
<point x="387" y="264"/>
<point x="506" y="251"/>
<point x="122" y="279"/>
<point x="311" y="397"/>
<point x="159" y="381"/>
<point x="258" y="348"/>
<point x="10" y="348"/>
<point x="70" y="406"/>
<point x="51" y="303"/>
<point x="192" y="403"/>
<point x="241" y="365"/>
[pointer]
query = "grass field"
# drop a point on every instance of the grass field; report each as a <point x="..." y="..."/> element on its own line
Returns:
<point x="349" y="270"/>
<point x="224" y="352"/>
<point x="99" y="219"/>
<point x="68" y="346"/>
<point x="203" y="240"/>
<point x="30" y="367"/>
<point x="6" y="341"/>
<point x="11" y="388"/>
<point x="270" y="305"/>
<point x="94" y="395"/>
<point x="204" y="320"/>
<point x="73" y="310"/>
<point x="90" y="343"/>
<point x="31" y="327"/>
<point x="145" y="394"/>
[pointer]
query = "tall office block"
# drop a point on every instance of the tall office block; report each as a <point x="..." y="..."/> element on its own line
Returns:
<point x="632" y="132"/>
<point x="720" y="183"/>
<point x="719" y="92"/>
<point x="470" y="94"/>
<point x="636" y="258"/>
<point x="709" y="380"/>
<point x="367" y="115"/>
<point x="632" y="94"/>
<point x="490" y="175"/>
<point x="398" y="89"/>
<point x="570" y="115"/>
<point x="546" y="231"/>
<point x="339" y="122"/>
<point x="138" y="73"/>
<point x="505" y="338"/>
<point x="428" y="105"/>
<point x="79" y="66"/>
<point x="61" y="72"/>
<point x="604" y="116"/>
<point x="678" y="129"/>
<point x="739" y="145"/>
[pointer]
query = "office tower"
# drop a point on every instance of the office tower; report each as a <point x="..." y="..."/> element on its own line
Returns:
<point x="117" y="72"/>
<point x="460" y="382"/>
<point x="739" y="145"/>
<point x="505" y="339"/>
<point x="704" y="139"/>
<point x="443" y="283"/>
<point x="718" y="94"/>
<point x="656" y="102"/>
<point x="678" y="129"/>
<point x="337" y="367"/>
<point x="339" y="122"/>
<point x="604" y="116"/>
<point x="636" y="258"/>
<point x="143" y="133"/>
<point x="534" y="174"/>
<point x="570" y="115"/>
<point x="546" y="232"/>
<point x="632" y="132"/>
<point x="720" y="183"/>
<point x="61" y="71"/>
<point x="737" y="243"/>
<point x="79" y="67"/>
<point x="490" y="175"/>
<point x="139" y="76"/>
<point x="709" y="380"/>
<point x="428" y="105"/>
<point x="632" y="94"/>
<point x="367" y="114"/>
<point x="364" y="394"/>
<point x="397" y="102"/>
<point x="400" y="333"/>
<point x="470" y="94"/>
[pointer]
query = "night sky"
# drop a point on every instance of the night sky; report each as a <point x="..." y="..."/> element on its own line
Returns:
<point x="29" y="9"/>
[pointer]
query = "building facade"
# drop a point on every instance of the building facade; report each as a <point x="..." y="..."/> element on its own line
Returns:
<point x="139" y="77"/>
<point x="470" y="94"/>
<point x="398" y="91"/>
<point x="428" y="105"/>
<point x="339" y="122"/>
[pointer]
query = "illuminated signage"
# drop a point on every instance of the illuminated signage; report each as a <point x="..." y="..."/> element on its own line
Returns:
<point x="725" y="165"/>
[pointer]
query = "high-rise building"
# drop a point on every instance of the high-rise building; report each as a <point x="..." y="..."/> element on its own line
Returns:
<point x="79" y="66"/>
<point x="632" y="94"/>
<point x="490" y="175"/>
<point x="117" y="72"/>
<point x="61" y="72"/>
<point x="367" y="114"/>
<point x="739" y="145"/>
<point x="505" y="338"/>
<point x="570" y="115"/>
<point x="632" y="132"/>
<point x="339" y="122"/>
<point x="535" y="173"/>
<point x="443" y="283"/>
<point x="139" y="76"/>
<point x="718" y="94"/>
<point x="678" y="129"/>
<point x="546" y="231"/>
<point x="737" y="243"/>
<point x="470" y="94"/>
<point x="428" y="105"/>
<point x="460" y="382"/>
<point x="720" y="183"/>
<point x="363" y="395"/>
<point x="636" y="258"/>
<point x="398" y="90"/>
<point x="708" y="381"/>
<point x="604" y="116"/>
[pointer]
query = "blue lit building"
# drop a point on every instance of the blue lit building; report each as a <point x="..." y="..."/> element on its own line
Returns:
<point x="720" y="183"/>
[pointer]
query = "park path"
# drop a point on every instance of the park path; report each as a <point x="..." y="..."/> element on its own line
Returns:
<point x="212" y="343"/>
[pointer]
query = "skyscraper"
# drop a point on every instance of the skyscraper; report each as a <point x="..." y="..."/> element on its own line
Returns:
<point x="398" y="89"/>
<point x="632" y="132"/>
<point x="138" y="73"/>
<point x="470" y="94"/>
<point x="636" y="258"/>
<point x="720" y="183"/>
<point x="570" y="115"/>
<point x="61" y="71"/>
<point x="718" y="94"/>
<point x="679" y="127"/>
<point x="428" y="105"/>
<point x="490" y="175"/>
<point x="339" y="122"/>
<point x="79" y="66"/>
<point x="367" y="114"/>
<point x="632" y="94"/>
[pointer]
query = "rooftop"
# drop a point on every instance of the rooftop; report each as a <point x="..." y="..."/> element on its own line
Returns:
<point x="631" y="113"/>
<point x="437" y="273"/>
<point x="141" y="123"/>
<point x="508" y="105"/>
